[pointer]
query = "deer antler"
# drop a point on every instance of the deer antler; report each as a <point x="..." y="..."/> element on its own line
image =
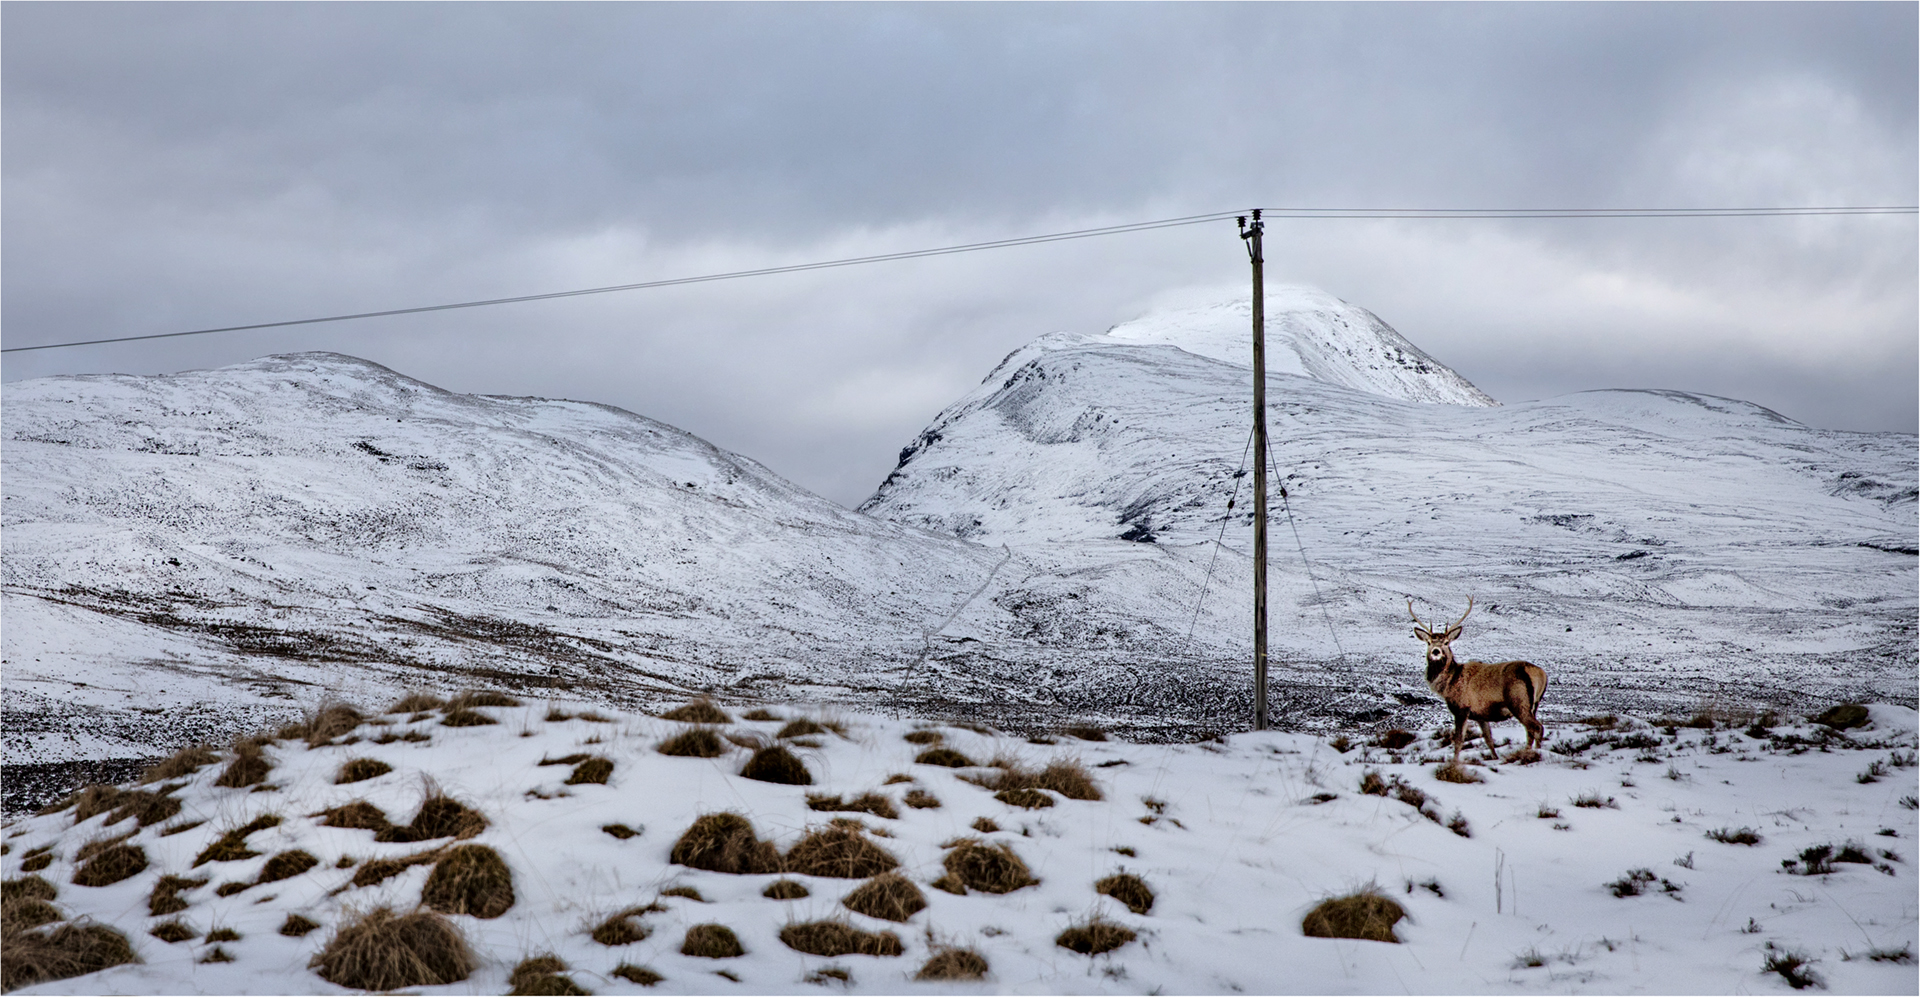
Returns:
<point x="1416" y="617"/>
<point x="1463" y="616"/>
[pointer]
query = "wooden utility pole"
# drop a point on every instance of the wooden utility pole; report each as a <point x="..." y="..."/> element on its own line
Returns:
<point x="1251" y="233"/>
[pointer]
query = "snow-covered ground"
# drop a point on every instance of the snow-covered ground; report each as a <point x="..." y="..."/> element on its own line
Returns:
<point x="1237" y="839"/>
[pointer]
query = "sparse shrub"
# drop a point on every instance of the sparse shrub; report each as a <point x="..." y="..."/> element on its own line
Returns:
<point x="801" y="727"/>
<point x="592" y="771"/>
<point x="711" y="941"/>
<point x="1902" y="956"/>
<point x="1872" y="774"/>
<point x="1127" y="888"/>
<point x="943" y="756"/>
<point x="173" y="931"/>
<point x="865" y="803"/>
<point x="1395" y="739"/>
<point x="836" y="938"/>
<point x="1458" y="825"/>
<point x="1530" y="959"/>
<point x="621" y="831"/>
<point x="469" y="879"/>
<point x="953" y="964"/>
<point x="296" y="926"/>
<point x="700" y="711"/>
<point x="59" y="953"/>
<point x="358" y="815"/>
<point x="1371" y="783"/>
<point x="972" y="863"/>
<point x="777" y="765"/>
<point x="1368" y="915"/>
<point x="1547" y="813"/>
<point x="377" y="871"/>
<point x="725" y="842"/>
<point x="417" y="702"/>
<point x="249" y="767"/>
<point x="1793" y="967"/>
<point x="1594" y="801"/>
<point x="696" y="743"/>
<point x="440" y="816"/>
<point x="1638" y="881"/>
<point x="286" y="865"/>
<point x="1853" y="851"/>
<point x="924" y="737"/>
<point x="1743" y="836"/>
<point x="1095" y="936"/>
<point x="111" y="865"/>
<point x="1843" y="717"/>
<point x="360" y="770"/>
<point x="385" y="951"/>
<point x="1451" y="772"/>
<point x="638" y="974"/>
<point x="184" y="762"/>
<point x="888" y="896"/>
<point x="839" y="852"/>
<point x="785" y="889"/>
<point x="461" y="717"/>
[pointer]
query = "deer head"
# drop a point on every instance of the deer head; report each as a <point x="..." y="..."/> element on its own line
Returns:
<point x="1439" y="651"/>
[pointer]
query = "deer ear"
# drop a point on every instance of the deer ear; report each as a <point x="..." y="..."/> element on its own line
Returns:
<point x="1454" y="633"/>
<point x="1422" y="633"/>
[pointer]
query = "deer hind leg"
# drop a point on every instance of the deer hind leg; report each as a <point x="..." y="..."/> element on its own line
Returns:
<point x="1536" y="733"/>
<point x="1486" y="731"/>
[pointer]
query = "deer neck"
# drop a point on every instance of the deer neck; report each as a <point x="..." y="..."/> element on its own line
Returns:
<point x="1442" y="672"/>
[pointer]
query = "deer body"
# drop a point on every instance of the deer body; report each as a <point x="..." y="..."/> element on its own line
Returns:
<point x="1484" y="692"/>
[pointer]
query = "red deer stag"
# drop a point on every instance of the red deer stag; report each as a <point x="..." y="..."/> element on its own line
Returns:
<point x="1481" y="691"/>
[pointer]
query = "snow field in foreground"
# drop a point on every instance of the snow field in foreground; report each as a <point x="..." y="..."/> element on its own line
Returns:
<point x="1228" y="835"/>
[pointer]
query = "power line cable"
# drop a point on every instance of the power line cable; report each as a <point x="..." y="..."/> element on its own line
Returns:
<point x="1217" y="541"/>
<point x="1032" y="240"/>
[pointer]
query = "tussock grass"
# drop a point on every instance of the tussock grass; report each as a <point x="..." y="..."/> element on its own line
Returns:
<point x="119" y="804"/>
<point x="865" y="803"/>
<point x="777" y="765"/>
<point x="688" y="892"/>
<point x="1085" y="733"/>
<point x="711" y="941"/>
<point x="839" y="852"/>
<point x="469" y="879"/>
<point x="801" y="727"/>
<point x="540" y="975"/>
<point x="1127" y="888"/>
<point x="360" y="770"/>
<point x="593" y="771"/>
<point x="98" y="845"/>
<point x="924" y="737"/>
<point x="984" y="825"/>
<point x="1594" y="801"/>
<point x="1093" y="937"/>
<point x="229" y="889"/>
<point x="440" y="816"/>
<point x="27" y="888"/>
<point x="173" y="931"/>
<point x="63" y="952"/>
<point x="621" y="831"/>
<point x="888" y="896"/>
<point x="1368" y="915"/>
<point x="786" y="889"/>
<point x="358" y="815"/>
<point x="1729" y="836"/>
<point x="700" y="711"/>
<point x="1068" y="778"/>
<point x="481" y="697"/>
<point x="387" y="951"/>
<point x="1451" y="772"/>
<point x="1028" y="799"/>
<point x="417" y="702"/>
<point x="223" y="935"/>
<point x="461" y="717"/>
<point x="286" y="865"/>
<point x="637" y="974"/>
<point x="249" y="766"/>
<point x="180" y="764"/>
<point x="974" y="864"/>
<point x="836" y="938"/>
<point x="37" y="860"/>
<point x="296" y="926"/>
<point x="111" y="865"/>
<point x="1395" y="739"/>
<point x="1843" y="717"/>
<point x="1793" y="967"/>
<point x="329" y="722"/>
<point x="725" y="842"/>
<point x="920" y="799"/>
<point x="218" y="954"/>
<point x="761" y="714"/>
<point x="944" y="756"/>
<point x="696" y="743"/>
<point x="573" y="759"/>
<point x="620" y="929"/>
<point x="953" y="964"/>
<point x="19" y="915"/>
<point x="376" y="871"/>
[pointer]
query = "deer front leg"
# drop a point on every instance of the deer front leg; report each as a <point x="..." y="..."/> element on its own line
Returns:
<point x="1486" y="731"/>
<point x="1459" y="735"/>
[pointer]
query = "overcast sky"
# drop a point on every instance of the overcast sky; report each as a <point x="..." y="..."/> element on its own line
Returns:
<point x="178" y="166"/>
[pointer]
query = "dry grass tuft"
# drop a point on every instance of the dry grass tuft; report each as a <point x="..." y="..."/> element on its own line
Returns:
<point x="111" y="865"/>
<point x="358" y="815"/>
<point x="440" y="816"/>
<point x="620" y="929"/>
<point x="865" y="803"/>
<point x="482" y="697"/>
<point x="1085" y="733"/>
<point x="637" y="974"/>
<point x="684" y="891"/>
<point x="777" y="765"/>
<point x="760" y="714"/>
<point x="786" y="889"/>
<point x="457" y="717"/>
<point x="248" y="768"/>
<point x="700" y="711"/>
<point x="469" y="879"/>
<point x="1395" y="739"/>
<point x="360" y="770"/>
<point x="1368" y="915"/>
<point x="944" y="756"/>
<point x="1451" y="772"/>
<point x="954" y="964"/>
<point x="621" y="831"/>
<point x="573" y="759"/>
<point x="1129" y="889"/>
<point x="1068" y="778"/>
<point x="147" y="808"/>
<point x="984" y="825"/>
<point x="1728" y="836"/>
<point x="711" y="941"/>
<point x="331" y="722"/>
<point x="835" y="938"/>
<point x="540" y="975"/>
<point x="180" y="764"/>
<point x="387" y="951"/>
<point x="417" y="702"/>
<point x="920" y="799"/>
<point x="839" y="852"/>
<point x="296" y="926"/>
<point x="972" y="863"/>
<point x="66" y="951"/>
<point x="173" y="931"/>
<point x="165" y="897"/>
<point x="1029" y="799"/>
<point x="286" y="865"/>
<point x="801" y="727"/>
<point x="36" y="860"/>
<point x="888" y="896"/>
<point x="924" y="737"/>
<point x="696" y="743"/>
<point x="725" y="842"/>
<point x="98" y="845"/>
<point x="27" y="888"/>
<point x="1094" y="937"/>
<point x="593" y="771"/>
<point x="19" y="915"/>
<point x="380" y="870"/>
<point x="223" y="935"/>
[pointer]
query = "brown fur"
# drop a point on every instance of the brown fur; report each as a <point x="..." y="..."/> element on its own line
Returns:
<point x="1482" y="691"/>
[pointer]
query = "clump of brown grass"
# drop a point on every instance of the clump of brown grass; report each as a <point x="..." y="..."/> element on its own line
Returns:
<point x="840" y="852"/>
<point x="637" y="974"/>
<point x="37" y="859"/>
<point x="440" y="816"/>
<point x="944" y="756"/>
<point x="377" y="871"/>
<point x="801" y="727"/>
<point x="920" y="799"/>
<point x="1367" y="914"/>
<point x="358" y="815"/>
<point x="1457" y="773"/>
<point x="700" y="711"/>
<point x="621" y="831"/>
<point x="972" y="863"/>
<point x="1395" y="739"/>
<point x="888" y="896"/>
<point x="89" y="802"/>
<point x="286" y="865"/>
<point x="296" y="926"/>
<point x="173" y="931"/>
<point x="865" y="803"/>
<point x="592" y="771"/>
<point x="834" y="938"/>
<point x="1085" y="733"/>
<point x="146" y="807"/>
<point x="223" y="935"/>
<point x="785" y="889"/>
<point x="249" y="767"/>
<point x="539" y="976"/>
<point x="1127" y="888"/>
<point x="98" y="845"/>
<point x="330" y="722"/>
<point x="711" y="941"/>
<point x="110" y="865"/>
<point x="417" y="702"/>
<point x="27" y="888"/>
<point x="621" y="928"/>
<point x="1095" y="936"/>
<point x="63" y="952"/>
<point x="573" y="759"/>
<point x="482" y="697"/>
<point x="760" y="714"/>
<point x="217" y="954"/>
<point x="688" y="892"/>
<point x="1029" y="799"/>
<point x="387" y="951"/>
<point x="469" y="879"/>
<point x="184" y="762"/>
<point x="725" y="842"/>
<point x="460" y="717"/>
<point x="897" y="778"/>
<point x="696" y="743"/>
<point x="360" y="770"/>
<point x="953" y="964"/>
<point x="1068" y="778"/>
<point x="984" y="825"/>
<point x="777" y="765"/>
<point x="924" y="737"/>
<point x="27" y="912"/>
